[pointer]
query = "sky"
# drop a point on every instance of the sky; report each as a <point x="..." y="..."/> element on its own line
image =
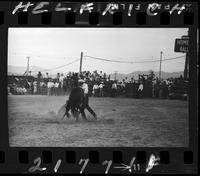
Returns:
<point x="49" y="48"/>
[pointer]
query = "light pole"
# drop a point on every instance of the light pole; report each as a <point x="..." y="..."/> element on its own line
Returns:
<point x="160" y="65"/>
<point x="80" y="69"/>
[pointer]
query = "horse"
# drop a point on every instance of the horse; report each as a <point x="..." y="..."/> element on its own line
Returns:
<point x="75" y="103"/>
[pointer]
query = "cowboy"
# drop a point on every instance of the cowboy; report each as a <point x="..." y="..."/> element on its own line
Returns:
<point x="84" y="86"/>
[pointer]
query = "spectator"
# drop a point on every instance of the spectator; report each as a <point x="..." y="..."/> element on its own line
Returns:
<point x="56" y="87"/>
<point x="135" y="89"/>
<point x="61" y="80"/>
<point x="9" y="93"/>
<point x="140" y="90"/>
<point x="50" y="86"/>
<point x="157" y="88"/>
<point x="58" y="76"/>
<point x="160" y="90"/>
<point x="39" y="76"/>
<point x="95" y="90"/>
<point x="24" y="91"/>
<point x="101" y="74"/>
<point x="101" y="93"/>
<point x="75" y="80"/>
<point x="114" y="89"/>
<point x="35" y="87"/>
<point x="42" y="88"/>
<point x="32" y="87"/>
<point x="164" y="90"/>
<point x="65" y="84"/>
<point x="47" y="75"/>
<point x="153" y="89"/>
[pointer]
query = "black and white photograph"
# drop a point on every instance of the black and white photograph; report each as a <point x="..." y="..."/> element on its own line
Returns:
<point x="98" y="87"/>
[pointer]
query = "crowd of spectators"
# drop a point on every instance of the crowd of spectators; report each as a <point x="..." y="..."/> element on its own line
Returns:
<point x="100" y="85"/>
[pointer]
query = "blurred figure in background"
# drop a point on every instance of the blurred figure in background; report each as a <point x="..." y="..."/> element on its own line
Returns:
<point x="95" y="90"/>
<point x="34" y="87"/>
<point x="164" y="90"/>
<point x="140" y="90"/>
<point x="61" y="80"/>
<point x="101" y="94"/>
<point x="56" y="88"/>
<point x="47" y="75"/>
<point x="114" y="89"/>
<point x="39" y="77"/>
<point x="50" y="86"/>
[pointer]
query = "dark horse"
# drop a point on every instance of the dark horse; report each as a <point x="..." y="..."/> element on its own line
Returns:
<point x="75" y="103"/>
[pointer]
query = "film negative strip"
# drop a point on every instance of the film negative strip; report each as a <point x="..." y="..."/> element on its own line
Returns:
<point x="99" y="87"/>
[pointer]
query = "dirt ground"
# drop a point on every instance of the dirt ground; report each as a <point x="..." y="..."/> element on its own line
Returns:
<point x="122" y="122"/>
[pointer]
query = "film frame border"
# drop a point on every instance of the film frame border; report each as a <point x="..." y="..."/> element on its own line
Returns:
<point x="181" y="160"/>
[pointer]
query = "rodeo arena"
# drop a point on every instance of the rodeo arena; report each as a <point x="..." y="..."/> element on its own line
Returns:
<point x="96" y="109"/>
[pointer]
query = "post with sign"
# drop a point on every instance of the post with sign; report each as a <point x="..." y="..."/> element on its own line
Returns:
<point x="182" y="45"/>
<point x="186" y="70"/>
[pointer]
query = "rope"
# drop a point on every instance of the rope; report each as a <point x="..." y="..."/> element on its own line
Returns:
<point x="131" y="62"/>
<point x="57" y="67"/>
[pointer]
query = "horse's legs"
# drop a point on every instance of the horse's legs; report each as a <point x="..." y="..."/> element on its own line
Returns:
<point x="74" y="112"/>
<point x="67" y="108"/>
<point x="83" y="112"/>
